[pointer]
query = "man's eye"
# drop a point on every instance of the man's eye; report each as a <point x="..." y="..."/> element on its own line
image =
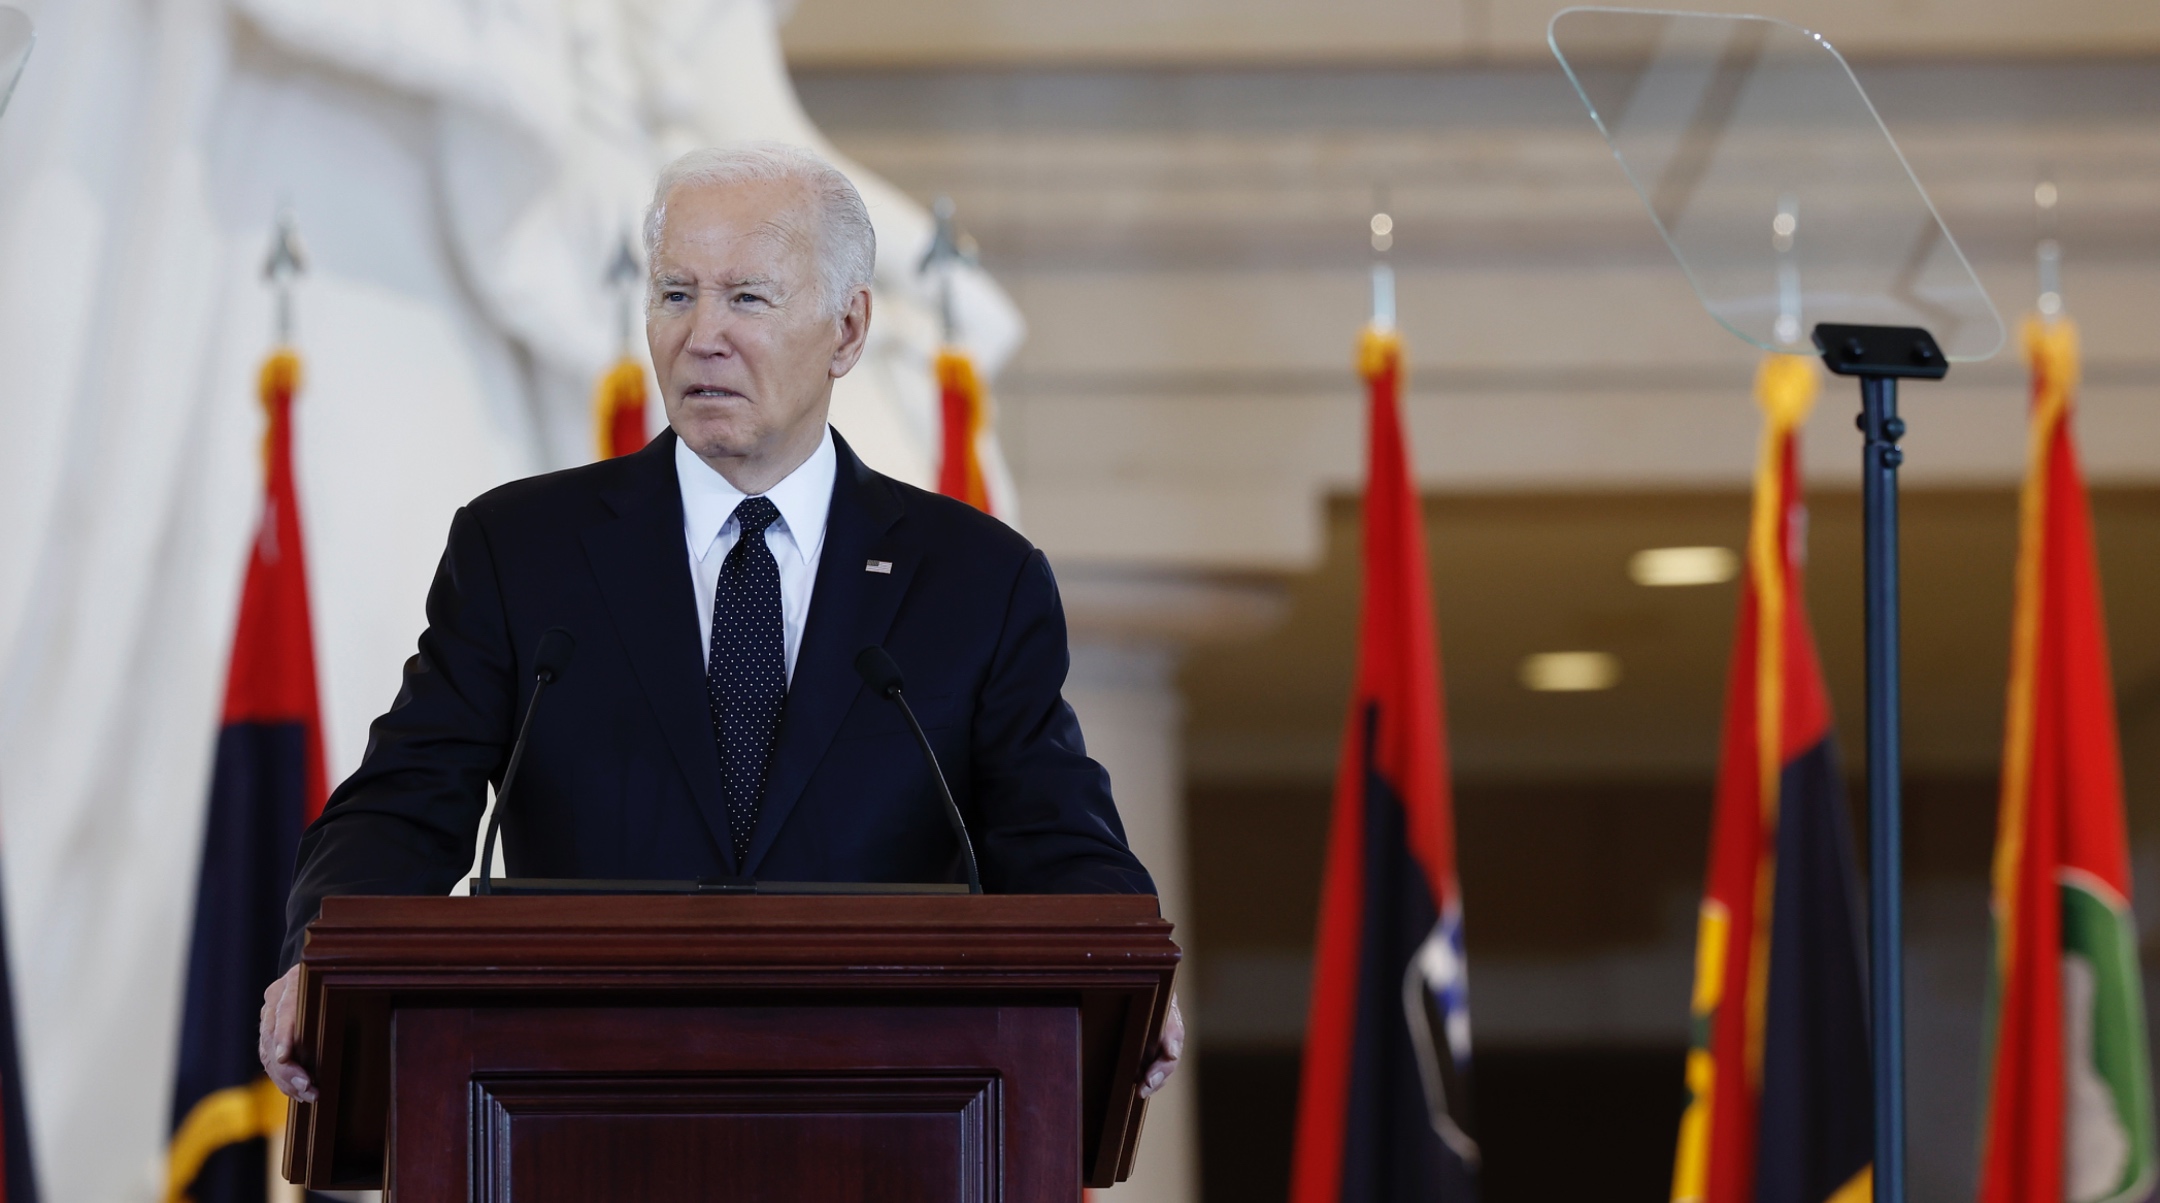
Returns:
<point x="749" y="298"/>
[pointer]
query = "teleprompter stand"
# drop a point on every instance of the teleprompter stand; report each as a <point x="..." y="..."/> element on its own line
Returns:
<point x="1881" y="356"/>
<point x="1787" y="204"/>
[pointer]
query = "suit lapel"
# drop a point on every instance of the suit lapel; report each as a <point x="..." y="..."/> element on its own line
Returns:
<point x="850" y="609"/>
<point x="643" y="569"/>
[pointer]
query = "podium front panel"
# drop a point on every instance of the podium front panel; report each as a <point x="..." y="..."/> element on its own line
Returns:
<point x="683" y="1104"/>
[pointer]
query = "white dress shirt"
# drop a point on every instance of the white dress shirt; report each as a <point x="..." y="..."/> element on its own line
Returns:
<point x="796" y="539"/>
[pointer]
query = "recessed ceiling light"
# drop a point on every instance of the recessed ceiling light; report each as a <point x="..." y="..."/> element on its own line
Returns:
<point x="1665" y="566"/>
<point x="1570" y="672"/>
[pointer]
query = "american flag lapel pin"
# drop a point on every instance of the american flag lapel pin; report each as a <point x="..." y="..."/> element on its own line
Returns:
<point x="883" y="566"/>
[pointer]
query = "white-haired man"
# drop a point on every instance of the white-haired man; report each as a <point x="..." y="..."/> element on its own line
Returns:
<point x="719" y="585"/>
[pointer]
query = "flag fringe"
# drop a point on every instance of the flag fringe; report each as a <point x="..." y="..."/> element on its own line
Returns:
<point x="1785" y="387"/>
<point x="2051" y="348"/>
<point x="216" y="1121"/>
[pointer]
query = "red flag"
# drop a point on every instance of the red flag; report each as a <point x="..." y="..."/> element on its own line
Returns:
<point x="272" y="676"/>
<point x="1388" y="1040"/>
<point x="2070" y="1111"/>
<point x="963" y="418"/>
<point x="619" y="409"/>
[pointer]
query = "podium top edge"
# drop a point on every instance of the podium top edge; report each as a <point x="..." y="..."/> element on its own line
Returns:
<point x="739" y="912"/>
<point x="741" y="938"/>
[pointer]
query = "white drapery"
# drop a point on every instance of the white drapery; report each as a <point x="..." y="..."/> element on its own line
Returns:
<point x="461" y="171"/>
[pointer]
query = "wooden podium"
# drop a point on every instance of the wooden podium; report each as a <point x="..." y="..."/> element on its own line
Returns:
<point x="671" y="1048"/>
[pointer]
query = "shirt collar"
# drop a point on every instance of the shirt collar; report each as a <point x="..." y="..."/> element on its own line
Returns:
<point x="804" y="498"/>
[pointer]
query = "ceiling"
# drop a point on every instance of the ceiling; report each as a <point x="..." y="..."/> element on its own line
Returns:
<point x="1189" y="249"/>
<point x="1065" y="168"/>
<point x="864" y="32"/>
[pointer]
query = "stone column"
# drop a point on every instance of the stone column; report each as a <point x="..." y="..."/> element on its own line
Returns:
<point x="1129" y="631"/>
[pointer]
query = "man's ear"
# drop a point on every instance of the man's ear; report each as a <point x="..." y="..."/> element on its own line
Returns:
<point x="854" y="333"/>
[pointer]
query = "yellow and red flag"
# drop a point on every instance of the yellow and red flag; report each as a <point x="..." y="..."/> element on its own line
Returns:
<point x="1779" y="1106"/>
<point x="2070" y="1110"/>
<point x="964" y="424"/>
<point x="619" y="409"/>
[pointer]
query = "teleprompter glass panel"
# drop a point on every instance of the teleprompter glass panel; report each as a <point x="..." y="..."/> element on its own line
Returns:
<point x="1771" y="177"/>
<point x="14" y="50"/>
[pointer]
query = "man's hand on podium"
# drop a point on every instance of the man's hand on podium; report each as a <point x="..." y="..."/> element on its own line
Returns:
<point x="280" y="1028"/>
<point x="1166" y="1057"/>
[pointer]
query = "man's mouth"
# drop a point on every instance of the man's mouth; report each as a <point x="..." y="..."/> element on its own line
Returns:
<point x="712" y="392"/>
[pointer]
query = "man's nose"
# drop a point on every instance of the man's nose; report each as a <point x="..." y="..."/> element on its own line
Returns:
<point x="710" y="324"/>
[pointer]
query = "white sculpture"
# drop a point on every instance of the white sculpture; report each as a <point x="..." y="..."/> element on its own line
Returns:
<point x="462" y="171"/>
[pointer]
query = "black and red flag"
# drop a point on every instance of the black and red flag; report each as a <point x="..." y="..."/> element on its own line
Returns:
<point x="1779" y="1093"/>
<point x="1387" y="1044"/>
<point x="268" y="784"/>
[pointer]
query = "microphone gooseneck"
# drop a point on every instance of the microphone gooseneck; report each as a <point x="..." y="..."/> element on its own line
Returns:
<point x="878" y="671"/>
<point x="549" y="661"/>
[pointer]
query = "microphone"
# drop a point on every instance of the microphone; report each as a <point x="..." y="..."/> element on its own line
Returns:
<point x="883" y="677"/>
<point x="549" y="661"/>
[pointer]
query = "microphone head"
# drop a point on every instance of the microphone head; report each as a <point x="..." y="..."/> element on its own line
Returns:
<point x="878" y="671"/>
<point x="553" y="657"/>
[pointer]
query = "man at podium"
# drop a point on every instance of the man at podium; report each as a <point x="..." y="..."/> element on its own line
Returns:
<point x="704" y="602"/>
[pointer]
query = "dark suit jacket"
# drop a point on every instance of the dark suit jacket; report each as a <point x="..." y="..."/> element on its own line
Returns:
<point x="621" y="778"/>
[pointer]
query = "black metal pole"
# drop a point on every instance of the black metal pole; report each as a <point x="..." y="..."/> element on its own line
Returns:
<point x="1886" y="944"/>
<point x="1880" y="356"/>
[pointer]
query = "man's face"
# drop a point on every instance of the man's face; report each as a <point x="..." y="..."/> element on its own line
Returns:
<point x="745" y="348"/>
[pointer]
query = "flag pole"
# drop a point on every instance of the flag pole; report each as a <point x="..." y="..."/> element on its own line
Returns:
<point x="287" y="263"/>
<point x="1383" y="275"/>
<point x="945" y="254"/>
<point x="625" y="276"/>
<point x="2048" y="251"/>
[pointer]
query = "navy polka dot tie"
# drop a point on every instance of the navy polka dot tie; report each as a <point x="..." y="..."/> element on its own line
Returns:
<point x="746" y="675"/>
